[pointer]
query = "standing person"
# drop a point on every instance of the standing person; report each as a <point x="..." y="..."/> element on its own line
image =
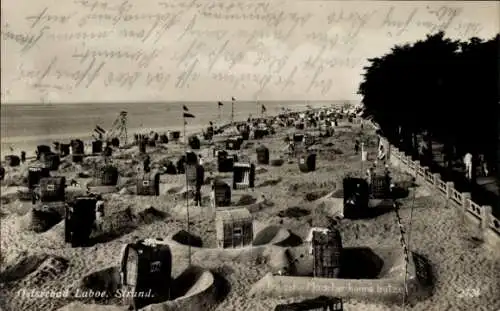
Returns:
<point x="483" y="165"/>
<point x="291" y="147"/>
<point x="99" y="212"/>
<point x="35" y="194"/>
<point x="356" y="146"/>
<point x="200" y="160"/>
<point x="468" y="165"/>
<point x="369" y="175"/>
<point x="146" y="164"/>
<point x="381" y="153"/>
<point x="197" y="195"/>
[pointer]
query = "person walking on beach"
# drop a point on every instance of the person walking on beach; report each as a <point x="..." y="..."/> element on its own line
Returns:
<point x="23" y="156"/>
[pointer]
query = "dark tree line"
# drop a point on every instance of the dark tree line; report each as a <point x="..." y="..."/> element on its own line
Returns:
<point x="440" y="90"/>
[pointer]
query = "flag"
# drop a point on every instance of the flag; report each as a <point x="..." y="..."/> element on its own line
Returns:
<point x="233" y="99"/>
<point x="220" y="104"/>
<point x="263" y="109"/>
<point x="99" y="129"/>
<point x="188" y="115"/>
<point x="185" y="108"/>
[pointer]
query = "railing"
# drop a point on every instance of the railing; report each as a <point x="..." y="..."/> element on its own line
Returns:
<point x="447" y="189"/>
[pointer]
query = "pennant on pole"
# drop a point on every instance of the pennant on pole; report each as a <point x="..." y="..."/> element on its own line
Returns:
<point x="188" y="115"/>
<point x="99" y="129"/>
<point x="263" y="108"/>
<point x="185" y="108"/>
<point x="220" y="104"/>
<point x="233" y="99"/>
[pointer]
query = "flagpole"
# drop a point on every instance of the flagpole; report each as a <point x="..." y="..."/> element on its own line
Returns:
<point x="187" y="192"/>
<point x="232" y="110"/>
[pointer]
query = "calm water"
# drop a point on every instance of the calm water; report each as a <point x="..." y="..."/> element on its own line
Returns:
<point x="25" y="126"/>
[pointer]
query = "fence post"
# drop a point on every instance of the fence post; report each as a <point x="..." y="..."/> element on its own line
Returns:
<point x="408" y="159"/>
<point x="417" y="165"/>
<point x="466" y="196"/>
<point x="425" y="170"/>
<point x="486" y="216"/>
<point x="435" y="179"/>
<point x="449" y="187"/>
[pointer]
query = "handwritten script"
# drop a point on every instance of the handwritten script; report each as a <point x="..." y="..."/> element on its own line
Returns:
<point x="85" y="50"/>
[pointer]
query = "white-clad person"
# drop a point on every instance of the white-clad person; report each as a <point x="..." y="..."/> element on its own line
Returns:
<point x="99" y="212"/>
<point x="468" y="165"/>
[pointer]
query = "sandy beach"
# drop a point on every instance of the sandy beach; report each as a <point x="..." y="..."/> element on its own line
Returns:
<point x="23" y="127"/>
<point x="464" y="273"/>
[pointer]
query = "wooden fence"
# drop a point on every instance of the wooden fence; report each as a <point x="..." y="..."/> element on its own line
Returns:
<point x="481" y="215"/>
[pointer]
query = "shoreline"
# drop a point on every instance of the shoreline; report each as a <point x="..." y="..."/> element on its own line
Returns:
<point x="29" y="143"/>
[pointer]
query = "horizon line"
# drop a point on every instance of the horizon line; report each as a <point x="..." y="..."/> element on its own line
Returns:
<point x="177" y="102"/>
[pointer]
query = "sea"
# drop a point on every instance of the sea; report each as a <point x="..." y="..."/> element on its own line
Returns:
<point x="24" y="126"/>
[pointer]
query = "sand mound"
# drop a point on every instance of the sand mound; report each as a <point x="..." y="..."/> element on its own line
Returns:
<point x="361" y="268"/>
<point x="294" y="212"/>
<point x="186" y="238"/>
<point x="260" y="170"/>
<point x="50" y="269"/>
<point x="248" y="145"/>
<point x="337" y="194"/>
<point x="193" y="280"/>
<point x="277" y="162"/>
<point x="356" y="262"/>
<point x="245" y="199"/>
<point x="34" y="269"/>
<point x="21" y="267"/>
<point x="270" y="235"/>
<point x="107" y="280"/>
<point x="119" y="223"/>
<point x="270" y="182"/>
<point x="301" y="189"/>
<point x="150" y="215"/>
<point x="313" y="196"/>
<point x="249" y="202"/>
<point x="43" y="219"/>
<point x="193" y="289"/>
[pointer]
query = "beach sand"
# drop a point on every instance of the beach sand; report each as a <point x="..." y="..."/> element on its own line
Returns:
<point x="23" y="127"/>
<point x="465" y="273"/>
